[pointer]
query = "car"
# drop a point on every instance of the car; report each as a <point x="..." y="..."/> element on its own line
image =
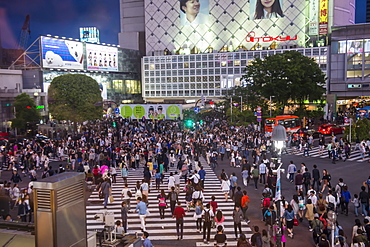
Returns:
<point x="304" y="132"/>
<point x="330" y="129"/>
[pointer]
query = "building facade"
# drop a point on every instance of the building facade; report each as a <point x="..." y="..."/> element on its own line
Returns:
<point x="204" y="54"/>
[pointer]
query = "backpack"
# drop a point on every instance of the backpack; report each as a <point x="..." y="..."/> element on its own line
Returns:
<point x="207" y="216"/>
<point x="173" y="196"/>
<point x="266" y="202"/>
<point x="317" y="229"/>
<point x="129" y="193"/>
<point x="258" y="241"/>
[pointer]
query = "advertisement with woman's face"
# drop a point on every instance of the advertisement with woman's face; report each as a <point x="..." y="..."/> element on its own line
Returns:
<point x="266" y="9"/>
<point x="194" y="12"/>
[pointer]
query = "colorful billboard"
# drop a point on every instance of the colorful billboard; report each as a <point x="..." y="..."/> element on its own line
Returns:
<point x="155" y="112"/>
<point x="89" y="34"/>
<point x="101" y="57"/>
<point x="206" y="26"/>
<point x="323" y="15"/>
<point x="61" y="53"/>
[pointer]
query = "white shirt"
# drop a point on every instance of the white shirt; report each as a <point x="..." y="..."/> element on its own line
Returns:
<point x="171" y="181"/>
<point x="177" y="178"/>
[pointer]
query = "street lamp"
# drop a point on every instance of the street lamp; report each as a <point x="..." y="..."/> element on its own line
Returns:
<point x="241" y="103"/>
<point x="278" y="137"/>
<point x="231" y="109"/>
<point x="333" y="218"/>
<point x="271" y="96"/>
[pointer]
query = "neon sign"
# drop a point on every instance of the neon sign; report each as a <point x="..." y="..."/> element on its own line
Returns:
<point x="251" y="38"/>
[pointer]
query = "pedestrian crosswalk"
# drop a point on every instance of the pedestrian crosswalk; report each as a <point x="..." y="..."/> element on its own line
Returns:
<point x="323" y="154"/>
<point x="164" y="229"/>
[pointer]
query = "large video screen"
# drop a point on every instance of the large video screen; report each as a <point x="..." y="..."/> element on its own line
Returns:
<point x="61" y="53"/>
<point x="101" y="57"/>
<point x="151" y="111"/>
<point x="214" y="25"/>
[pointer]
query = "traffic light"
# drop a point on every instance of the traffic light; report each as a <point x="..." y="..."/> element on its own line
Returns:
<point x="189" y="123"/>
<point x="200" y="122"/>
<point x="114" y="124"/>
<point x="28" y="107"/>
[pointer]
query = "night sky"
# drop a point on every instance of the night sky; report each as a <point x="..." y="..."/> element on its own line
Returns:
<point x="59" y="18"/>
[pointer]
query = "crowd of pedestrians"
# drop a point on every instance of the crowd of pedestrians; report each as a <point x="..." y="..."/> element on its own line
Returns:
<point x="167" y="154"/>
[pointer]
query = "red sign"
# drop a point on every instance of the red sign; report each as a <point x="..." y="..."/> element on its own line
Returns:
<point x="251" y="38"/>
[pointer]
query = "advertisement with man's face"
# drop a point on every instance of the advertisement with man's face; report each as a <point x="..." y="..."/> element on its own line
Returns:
<point x="61" y="53"/>
<point x="184" y="26"/>
<point x="194" y="12"/>
<point x="266" y="9"/>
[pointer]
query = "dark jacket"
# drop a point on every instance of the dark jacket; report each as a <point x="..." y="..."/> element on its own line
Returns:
<point x="316" y="174"/>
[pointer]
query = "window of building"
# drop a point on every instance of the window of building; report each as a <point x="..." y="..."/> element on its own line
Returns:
<point x="174" y="66"/>
<point x="152" y="66"/>
<point x="223" y="63"/>
<point x="192" y="79"/>
<point x="186" y="65"/>
<point x="237" y="63"/>
<point x="186" y="72"/>
<point x="186" y="79"/>
<point x="210" y="64"/>
<point x="163" y="66"/>
<point x="192" y="65"/>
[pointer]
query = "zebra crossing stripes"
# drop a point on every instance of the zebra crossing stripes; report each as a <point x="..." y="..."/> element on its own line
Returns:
<point x="315" y="153"/>
<point x="164" y="229"/>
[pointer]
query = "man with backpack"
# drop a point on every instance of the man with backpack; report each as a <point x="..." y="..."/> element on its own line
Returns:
<point x="317" y="227"/>
<point x="256" y="238"/>
<point x="237" y="217"/>
<point x="338" y="191"/>
<point x="207" y="216"/>
<point x="172" y="197"/>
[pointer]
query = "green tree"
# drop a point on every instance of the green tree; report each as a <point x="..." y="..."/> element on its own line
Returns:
<point x="75" y="97"/>
<point x="25" y="112"/>
<point x="289" y="76"/>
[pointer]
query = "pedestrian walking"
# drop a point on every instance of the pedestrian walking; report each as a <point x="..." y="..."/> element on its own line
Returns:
<point x="141" y="209"/>
<point x="126" y="195"/>
<point x="179" y="214"/>
<point x="237" y="218"/>
<point x="255" y="176"/>
<point x="124" y="213"/>
<point x="172" y="197"/>
<point x="162" y="203"/>
<point x="207" y="216"/>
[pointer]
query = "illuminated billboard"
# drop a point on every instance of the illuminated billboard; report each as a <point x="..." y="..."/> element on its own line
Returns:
<point x="174" y="24"/>
<point x="155" y="112"/>
<point x="324" y="13"/>
<point x="61" y="53"/>
<point x="103" y="58"/>
<point x="89" y="34"/>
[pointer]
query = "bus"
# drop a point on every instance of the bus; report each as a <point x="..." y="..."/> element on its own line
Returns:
<point x="290" y="122"/>
<point x="363" y="112"/>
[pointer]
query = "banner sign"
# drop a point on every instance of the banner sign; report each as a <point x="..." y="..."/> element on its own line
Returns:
<point x="149" y="111"/>
<point x="324" y="17"/>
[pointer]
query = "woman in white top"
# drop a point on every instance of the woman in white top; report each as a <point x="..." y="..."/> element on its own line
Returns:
<point x="225" y="187"/>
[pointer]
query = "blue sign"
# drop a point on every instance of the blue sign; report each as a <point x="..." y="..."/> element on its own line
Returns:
<point x="116" y="110"/>
<point x="196" y="109"/>
<point x="259" y="119"/>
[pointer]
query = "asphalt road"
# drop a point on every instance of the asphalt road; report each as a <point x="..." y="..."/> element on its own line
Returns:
<point x="353" y="173"/>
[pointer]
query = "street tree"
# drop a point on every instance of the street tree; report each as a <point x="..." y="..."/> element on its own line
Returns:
<point x="75" y="97"/>
<point x="25" y="112"/>
<point x="289" y="76"/>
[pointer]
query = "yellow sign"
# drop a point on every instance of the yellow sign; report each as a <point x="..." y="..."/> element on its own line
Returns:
<point x="324" y="11"/>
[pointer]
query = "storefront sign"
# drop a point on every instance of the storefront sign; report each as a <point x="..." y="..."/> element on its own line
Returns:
<point x="251" y="38"/>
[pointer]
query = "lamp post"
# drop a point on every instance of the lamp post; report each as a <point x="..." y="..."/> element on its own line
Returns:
<point x="241" y="103"/>
<point x="278" y="137"/>
<point x="231" y="108"/>
<point x="271" y="96"/>
<point x="333" y="218"/>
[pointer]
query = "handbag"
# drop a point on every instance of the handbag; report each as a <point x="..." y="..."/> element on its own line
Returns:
<point x="295" y="222"/>
<point x="111" y="199"/>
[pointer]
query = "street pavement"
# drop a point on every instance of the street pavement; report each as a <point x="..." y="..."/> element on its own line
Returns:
<point x="163" y="231"/>
<point x="352" y="171"/>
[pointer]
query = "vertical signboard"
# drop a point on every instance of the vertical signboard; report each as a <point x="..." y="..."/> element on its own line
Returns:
<point x="314" y="17"/>
<point x="324" y="14"/>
